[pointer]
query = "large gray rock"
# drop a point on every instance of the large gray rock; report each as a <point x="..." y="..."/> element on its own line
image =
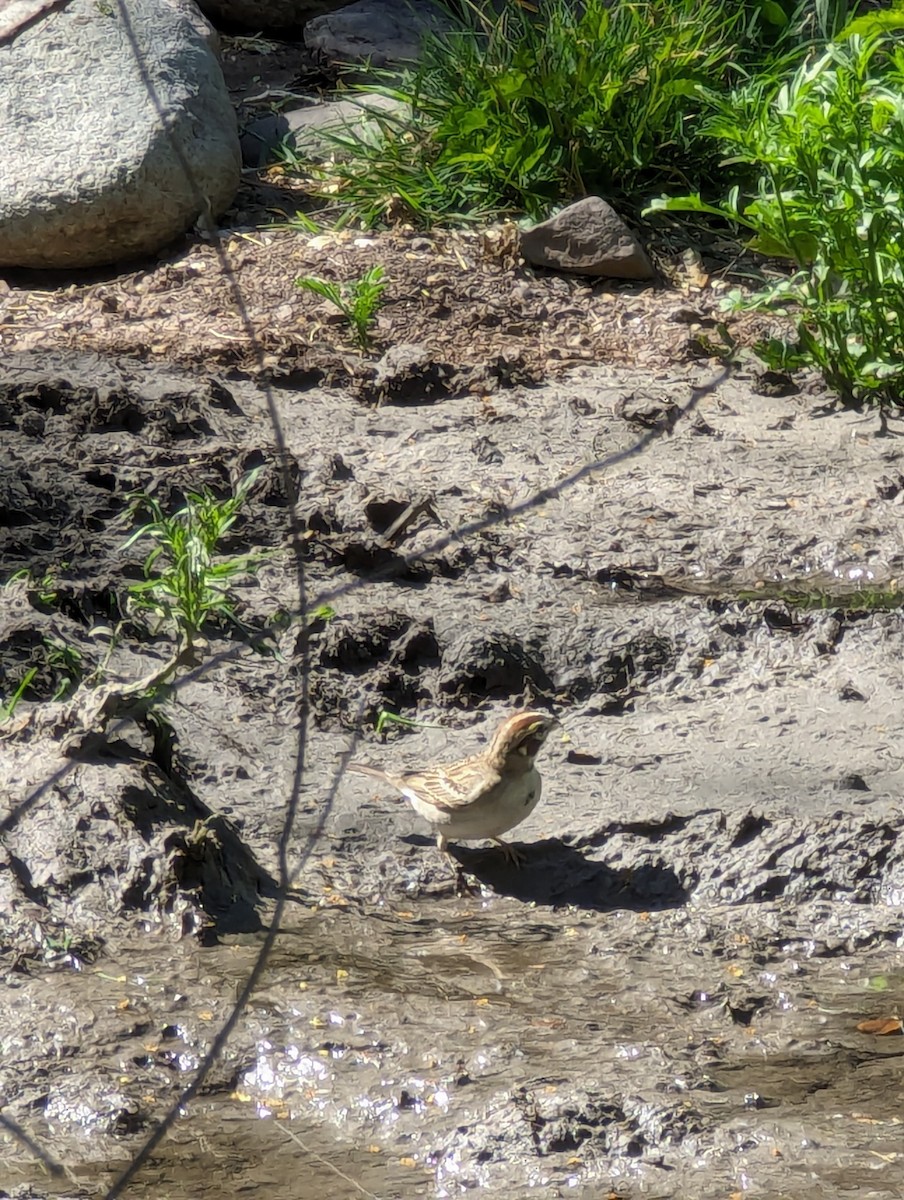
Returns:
<point x="267" y="15"/>
<point x="378" y="33"/>
<point x="116" y="133"/>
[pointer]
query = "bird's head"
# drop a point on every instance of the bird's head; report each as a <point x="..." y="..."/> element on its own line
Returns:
<point x="521" y="736"/>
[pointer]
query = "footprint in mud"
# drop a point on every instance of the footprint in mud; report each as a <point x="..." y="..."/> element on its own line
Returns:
<point x="369" y="665"/>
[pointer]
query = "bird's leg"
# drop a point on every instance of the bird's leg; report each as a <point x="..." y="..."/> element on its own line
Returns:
<point x="462" y="887"/>
<point x="516" y="857"/>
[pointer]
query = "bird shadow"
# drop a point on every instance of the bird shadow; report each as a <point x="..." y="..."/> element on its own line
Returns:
<point x="555" y="874"/>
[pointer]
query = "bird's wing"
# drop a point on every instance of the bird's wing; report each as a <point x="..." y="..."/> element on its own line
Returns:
<point x="449" y="789"/>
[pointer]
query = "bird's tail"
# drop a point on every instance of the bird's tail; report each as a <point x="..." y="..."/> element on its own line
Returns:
<point x="363" y="769"/>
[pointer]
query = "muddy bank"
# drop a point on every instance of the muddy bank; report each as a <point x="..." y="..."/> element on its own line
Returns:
<point x="664" y="1000"/>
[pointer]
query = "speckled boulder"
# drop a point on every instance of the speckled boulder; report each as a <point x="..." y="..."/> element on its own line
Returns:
<point x="116" y="133"/>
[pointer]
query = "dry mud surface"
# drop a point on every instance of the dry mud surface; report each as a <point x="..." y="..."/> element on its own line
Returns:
<point x="664" y="1000"/>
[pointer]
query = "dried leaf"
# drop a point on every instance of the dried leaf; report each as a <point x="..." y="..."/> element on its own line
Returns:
<point x="882" y="1026"/>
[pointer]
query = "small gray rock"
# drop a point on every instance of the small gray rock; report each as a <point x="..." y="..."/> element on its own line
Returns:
<point x="851" y="782"/>
<point x="587" y="238"/>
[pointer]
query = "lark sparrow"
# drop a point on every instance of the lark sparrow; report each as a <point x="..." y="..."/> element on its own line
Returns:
<point x="482" y="796"/>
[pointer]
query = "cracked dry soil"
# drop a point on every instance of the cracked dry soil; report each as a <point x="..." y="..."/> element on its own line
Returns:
<point x="664" y="1001"/>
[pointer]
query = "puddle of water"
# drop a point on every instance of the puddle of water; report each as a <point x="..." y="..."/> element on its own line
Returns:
<point x="219" y="1153"/>
<point x="851" y="587"/>
<point x="426" y="1053"/>
<point x="426" y="1030"/>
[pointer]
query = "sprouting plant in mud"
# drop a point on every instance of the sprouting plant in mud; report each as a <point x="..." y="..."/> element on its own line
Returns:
<point x="358" y="300"/>
<point x="323" y="613"/>
<point x="187" y="583"/>
<point x="386" y="718"/>
<point x="44" y="586"/>
<point x="67" y="662"/>
<point x="282" y="618"/>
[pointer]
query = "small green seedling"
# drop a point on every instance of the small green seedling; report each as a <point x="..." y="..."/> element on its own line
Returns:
<point x="358" y="300"/>
<point x="384" y="718"/>
<point x="58" y="945"/>
<point x="186" y="583"/>
<point x="283" y="618"/>
<point x="8" y="707"/>
<point x="323" y="612"/>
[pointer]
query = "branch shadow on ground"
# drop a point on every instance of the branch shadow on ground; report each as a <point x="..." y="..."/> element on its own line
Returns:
<point x="556" y="874"/>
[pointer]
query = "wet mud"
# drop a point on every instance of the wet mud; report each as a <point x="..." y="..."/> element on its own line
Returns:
<point x="664" y="1000"/>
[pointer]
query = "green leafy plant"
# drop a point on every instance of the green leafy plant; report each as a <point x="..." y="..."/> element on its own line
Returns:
<point x="287" y="154"/>
<point x="527" y="106"/>
<point x="301" y="222"/>
<point x="792" y="21"/>
<point x="357" y="300"/>
<point x="829" y="148"/>
<point x="186" y="582"/>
